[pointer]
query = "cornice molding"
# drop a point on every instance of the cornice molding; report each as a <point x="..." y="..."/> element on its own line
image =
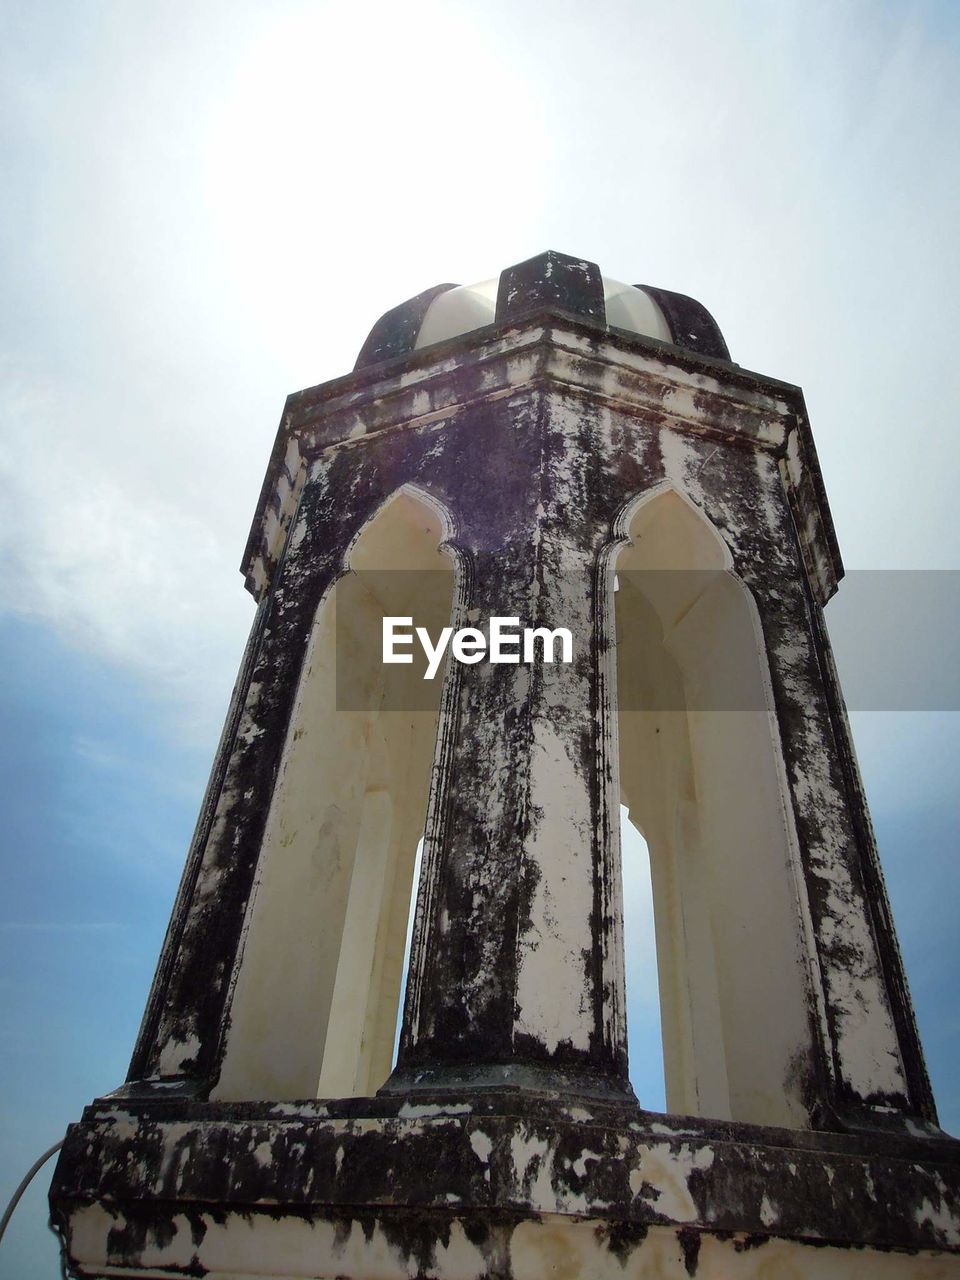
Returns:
<point x="549" y="351"/>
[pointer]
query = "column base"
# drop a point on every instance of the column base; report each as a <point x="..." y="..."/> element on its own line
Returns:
<point x="502" y="1184"/>
<point x="548" y="1081"/>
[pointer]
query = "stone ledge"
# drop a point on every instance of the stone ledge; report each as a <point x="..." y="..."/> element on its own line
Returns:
<point x="548" y="350"/>
<point x="525" y="1160"/>
<point x="386" y="1245"/>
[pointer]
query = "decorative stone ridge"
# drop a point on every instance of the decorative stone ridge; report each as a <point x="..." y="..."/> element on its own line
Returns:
<point x="495" y="1186"/>
<point x="690" y="322"/>
<point x="395" y="333"/>
<point x="551" y="280"/>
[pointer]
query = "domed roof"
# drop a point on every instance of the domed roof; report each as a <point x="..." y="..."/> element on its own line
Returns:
<point x="549" y="280"/>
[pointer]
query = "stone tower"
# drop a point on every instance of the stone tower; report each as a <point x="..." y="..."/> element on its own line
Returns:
<point x="565" y="450"/>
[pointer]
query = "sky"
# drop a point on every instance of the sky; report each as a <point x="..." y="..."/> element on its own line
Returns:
<point x="206" y="206"/>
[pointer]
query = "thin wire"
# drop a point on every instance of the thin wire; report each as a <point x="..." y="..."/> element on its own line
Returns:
<point x="27" y="1179"/>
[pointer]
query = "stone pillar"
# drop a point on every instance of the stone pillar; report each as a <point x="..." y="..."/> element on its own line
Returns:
<point x="509" y="967"/>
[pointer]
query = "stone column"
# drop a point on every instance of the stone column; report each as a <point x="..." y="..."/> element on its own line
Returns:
<point x="507" y="973"/>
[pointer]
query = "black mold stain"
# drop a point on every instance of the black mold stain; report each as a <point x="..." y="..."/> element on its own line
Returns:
<point x="622" y="1238"/>
<point x="689" y="1242"/>
<point x="754" y="1241"/>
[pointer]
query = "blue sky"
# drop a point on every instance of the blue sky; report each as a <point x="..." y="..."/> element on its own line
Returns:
<point x="206" y="207"/>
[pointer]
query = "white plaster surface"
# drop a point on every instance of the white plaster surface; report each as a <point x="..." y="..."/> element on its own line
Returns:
<point x="554" y="1247"/>
<point x="552" y="1003"/>
<point x="317" y="991"/>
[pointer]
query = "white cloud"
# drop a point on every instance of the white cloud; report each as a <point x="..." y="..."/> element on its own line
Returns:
<point x="207" y="206"/>
<point x="212" y="204"/>
<point x="131" y="575"/>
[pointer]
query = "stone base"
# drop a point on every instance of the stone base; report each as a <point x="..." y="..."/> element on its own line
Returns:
<point x="500" y="1184"/>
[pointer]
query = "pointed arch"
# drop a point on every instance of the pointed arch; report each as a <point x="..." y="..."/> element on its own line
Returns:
<point x="698" y="764"/>
<point x="317" y="987"/>
<point x="626" y="531"/>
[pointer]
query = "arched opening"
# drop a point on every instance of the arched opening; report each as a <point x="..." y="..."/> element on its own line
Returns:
<point x="317" y="990"/>
<point x="702" y="779"/>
